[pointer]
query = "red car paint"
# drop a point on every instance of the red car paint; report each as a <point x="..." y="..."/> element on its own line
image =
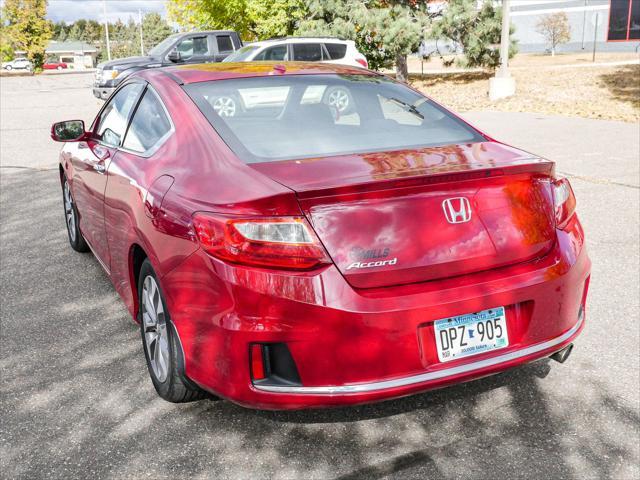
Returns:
<point x="54" y="66"/>
<point x="354" y="336"/>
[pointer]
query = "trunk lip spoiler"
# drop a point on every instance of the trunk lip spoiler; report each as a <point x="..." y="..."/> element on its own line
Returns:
<point x="535" y="165"/>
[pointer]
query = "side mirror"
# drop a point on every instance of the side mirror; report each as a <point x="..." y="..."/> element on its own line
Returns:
<point x="174" y="56"/>
<point x="68" y="131"/>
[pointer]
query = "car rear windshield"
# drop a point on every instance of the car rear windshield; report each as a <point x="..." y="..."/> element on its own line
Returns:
<point x="265" y="119"/>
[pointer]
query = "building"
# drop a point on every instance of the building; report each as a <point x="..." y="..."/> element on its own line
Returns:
<point x="78" y="55"/>
<point x="613" y="24"/>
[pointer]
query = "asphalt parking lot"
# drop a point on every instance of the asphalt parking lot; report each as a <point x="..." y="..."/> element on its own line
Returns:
<point x="76" y="400"/>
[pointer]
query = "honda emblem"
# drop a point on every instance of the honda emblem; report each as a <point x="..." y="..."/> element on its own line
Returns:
<point x="457" y="210"/>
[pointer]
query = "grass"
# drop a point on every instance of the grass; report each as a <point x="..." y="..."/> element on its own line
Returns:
<point x="601" y="92"/>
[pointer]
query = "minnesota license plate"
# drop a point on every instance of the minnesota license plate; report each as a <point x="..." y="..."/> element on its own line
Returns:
<point x="471" y="334"/>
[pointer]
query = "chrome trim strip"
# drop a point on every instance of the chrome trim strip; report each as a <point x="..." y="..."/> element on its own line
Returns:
<point x="423" y="377"/>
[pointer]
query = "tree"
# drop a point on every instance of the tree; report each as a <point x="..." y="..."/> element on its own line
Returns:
<point x="384" y="31"/>
<point x="275" y="18"/>
<point x="555" y="29"/>
<point x="154" y="30"/>
<point x="210" y="14"/>
<point x="26" y="27"/>
<point x="476" y="32"/>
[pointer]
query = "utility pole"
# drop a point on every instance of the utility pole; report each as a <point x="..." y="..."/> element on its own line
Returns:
<point x="584" y="21"/>
<point x="503" y="84"/>
<point x="141" y="37"/>
<point x="106" y="28"/>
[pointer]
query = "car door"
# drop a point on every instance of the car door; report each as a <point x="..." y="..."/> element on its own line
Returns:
<point x="194" y="49"/>
<point x="137" y="183"/>
<point x="91" y="160"/>
<point x="223" y="46"/>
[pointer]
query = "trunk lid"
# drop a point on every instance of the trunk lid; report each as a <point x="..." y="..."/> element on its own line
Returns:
<point x="401" y="217"/>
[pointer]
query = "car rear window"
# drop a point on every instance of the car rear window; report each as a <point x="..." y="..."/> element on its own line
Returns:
<point x="283" y="117"/>
<point x="336" y="50"/>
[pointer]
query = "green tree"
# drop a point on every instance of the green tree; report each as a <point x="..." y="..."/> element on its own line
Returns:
<point x="474" y="31"/>
<point x="154" y="30"/>
<point x="26" y="28"/>
<point x="384" y="31"/>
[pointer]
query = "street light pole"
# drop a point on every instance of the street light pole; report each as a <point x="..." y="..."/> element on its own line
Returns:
<point x="503" y="84"/>
<point x="141" y="37"/>
<point x="106" y="28"/>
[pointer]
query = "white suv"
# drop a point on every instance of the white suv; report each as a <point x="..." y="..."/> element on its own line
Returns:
<point x="301" y="49"/>
<point x="18" y="64"/>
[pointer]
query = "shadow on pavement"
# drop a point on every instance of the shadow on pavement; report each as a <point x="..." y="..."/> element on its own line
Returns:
<point x="77" y="401"/>
<point x="624" y="84"/>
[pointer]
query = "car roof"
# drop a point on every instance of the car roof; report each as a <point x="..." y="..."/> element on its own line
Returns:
<point x="205" y="72"/>
<point x="272" y="41"/>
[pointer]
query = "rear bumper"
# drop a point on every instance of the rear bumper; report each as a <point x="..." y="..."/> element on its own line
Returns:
<point x="353" y="346"/>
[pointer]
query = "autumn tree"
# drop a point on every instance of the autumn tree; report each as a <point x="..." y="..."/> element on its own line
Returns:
<point x="555" y="28"/>
<point x="275" y="18"/>
<point x="26" y="28"/>
<point x="210" y="14"/>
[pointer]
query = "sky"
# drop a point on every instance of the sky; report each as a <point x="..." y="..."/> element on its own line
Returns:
<point x="71" y="10"/>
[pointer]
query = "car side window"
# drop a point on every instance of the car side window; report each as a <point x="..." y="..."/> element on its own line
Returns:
<point x="114" y="118"/>
<point x="225" y="44"/>
<point x="149" y="124"/>
<point x="278" y="53"/>
<point x="307" y="52"/>
<point x="193" y="46"/>
<point x="336" y="50"/>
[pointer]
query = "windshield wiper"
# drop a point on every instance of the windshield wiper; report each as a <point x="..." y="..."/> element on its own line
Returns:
<point x="411" y="108"/>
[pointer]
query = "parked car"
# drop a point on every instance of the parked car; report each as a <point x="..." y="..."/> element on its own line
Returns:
<point x="18" y="64"/>
<point x="302" y="49"/>
<point x="288" y="256"/>
<point x="55" y="66"/>
<point x="305" y="49"/>
<point x="194" y="47"/>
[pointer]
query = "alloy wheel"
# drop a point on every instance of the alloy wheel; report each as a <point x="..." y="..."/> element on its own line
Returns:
<point x="225" y="106"/>
<point x="69" y="212"/>
<point x="155" y="328"/>
<point x="339" y="99"/>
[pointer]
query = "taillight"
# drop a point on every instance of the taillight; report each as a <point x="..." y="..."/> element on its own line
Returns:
<point x="274" y="242"/>
<point x="257" y="362"/>
<point x="363" y="62"/>
<point x="564" y="201"/>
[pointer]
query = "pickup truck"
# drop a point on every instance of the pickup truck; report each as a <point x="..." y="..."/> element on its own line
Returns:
<point x="193" y="47"/>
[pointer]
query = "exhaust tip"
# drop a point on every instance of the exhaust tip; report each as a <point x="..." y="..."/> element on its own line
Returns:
<point x="563" y="354"/>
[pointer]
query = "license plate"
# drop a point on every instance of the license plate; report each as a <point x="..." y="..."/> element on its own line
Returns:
<point x="471" y="334"/>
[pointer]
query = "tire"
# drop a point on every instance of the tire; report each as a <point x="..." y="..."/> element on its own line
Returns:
<point x="58" y="68"/>
<point x="340" y="99"/>
<point x="76" y="240"/>
<point x="160" y="342"/>
<point x="8" y="67"/>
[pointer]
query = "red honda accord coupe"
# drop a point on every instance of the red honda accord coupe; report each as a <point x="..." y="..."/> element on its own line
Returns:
<point x="283" y="251"/>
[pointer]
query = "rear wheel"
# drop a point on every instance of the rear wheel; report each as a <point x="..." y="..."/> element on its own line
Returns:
<point x="59" y="67"/>
<point x="8" y="67"/>
<point x="160" y="342"/>
<point x="76" y="240"/>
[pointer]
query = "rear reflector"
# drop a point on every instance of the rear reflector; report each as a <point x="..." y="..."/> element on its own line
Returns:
<point x="257" y="362"/>
<point x="564" y="201"/>
<point x="274" y="242"/>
